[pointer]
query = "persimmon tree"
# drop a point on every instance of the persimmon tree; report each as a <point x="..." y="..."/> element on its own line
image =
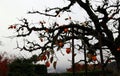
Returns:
<point x="100" y="32"/>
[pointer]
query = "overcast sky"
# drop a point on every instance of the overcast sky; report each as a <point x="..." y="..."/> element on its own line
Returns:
<point x="12" y="10"/>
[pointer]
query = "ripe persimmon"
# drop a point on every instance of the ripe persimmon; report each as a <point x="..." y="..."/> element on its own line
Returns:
<point x="94" y="58"/>
<point x="44" y="57"/>
<point x="47" y="64"/>
<point x="68" y="50"/>
<point x="65" y="29"/>
<point x="118" y="49"/>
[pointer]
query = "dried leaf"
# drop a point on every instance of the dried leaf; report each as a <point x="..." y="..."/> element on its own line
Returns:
<point x="75" y="55"/>
<point x="58" y="15"/>
<point x="70" y="18"/>
<point x="41" y="39"/>
<point x="41" y="22"/>
<point x="51" y="59"/>
<point x="54" y="64"/>
<point x="66" y="18"/>
<point x="48" y="54"/>
<point x="10" y="27"/>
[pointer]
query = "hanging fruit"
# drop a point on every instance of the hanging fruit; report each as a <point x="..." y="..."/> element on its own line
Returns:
<point x="44" y="57"/>
<point x="94" y="58"/>
<point x="118" y="49"/>
<point x="47" y="64"/>
<point x="68" y="50"/>
<point x="54" y="64"/>
<point x="65" y="30"/>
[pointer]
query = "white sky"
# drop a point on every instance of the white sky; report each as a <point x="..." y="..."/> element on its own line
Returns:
<point x="12" y="10"/>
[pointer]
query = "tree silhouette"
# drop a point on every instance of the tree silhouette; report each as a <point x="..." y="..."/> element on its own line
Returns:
<point x="102" y="27"/>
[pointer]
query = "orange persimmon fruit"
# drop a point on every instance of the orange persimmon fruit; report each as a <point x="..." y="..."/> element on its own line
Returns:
<point x="68" y="50"/>
<point x="44" y="57"/>
<point x="94" y="58"/>
<point x="65" y="29"/>
<point x="47" y="64"/>
<point x="118" y="49"/>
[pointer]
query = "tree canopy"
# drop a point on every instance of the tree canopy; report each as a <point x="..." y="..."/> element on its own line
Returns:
<point x="100" y="30"/>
